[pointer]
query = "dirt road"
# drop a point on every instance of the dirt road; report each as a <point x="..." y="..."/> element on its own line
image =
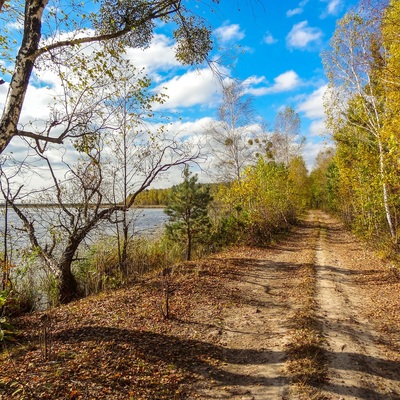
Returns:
<point x="314" y="316"/>
<point x="324" y="292"/>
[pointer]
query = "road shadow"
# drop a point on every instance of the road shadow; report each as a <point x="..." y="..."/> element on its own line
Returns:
<point x="371" y="276"/>
<point x="367" y="366"/>
<point x="195" y="356"/>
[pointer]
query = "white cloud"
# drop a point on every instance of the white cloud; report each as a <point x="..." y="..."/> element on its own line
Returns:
<point x="333" y="7"/>
<point x="313" y="106"/>
<point x="297" y="10"/>
<point x="17" y="25"/>
<point x="253" y="80"/>
<point x="294" y="11"/>
<point x="310" y="152"/>
<point x="36" y="104"/>
<point x="3" y="94"/>
<point x="313" y="109"/>
<point x="160" y="55"/>
<point x="318" y="128"/>
<point x="228" y="33"/>
<point x="285" y="82"/>
<point x="269" y="39"/>
<point x="195" y="130"/>
<point x="198" y="87"/>
<point x="301" y="35"/>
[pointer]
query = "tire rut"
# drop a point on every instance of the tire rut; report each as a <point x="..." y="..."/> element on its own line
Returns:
<point x="257" y="332"/>
<point x="357" y="366"/>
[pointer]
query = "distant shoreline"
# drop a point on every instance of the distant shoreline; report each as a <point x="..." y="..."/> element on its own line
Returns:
<point x="51" y="205"/>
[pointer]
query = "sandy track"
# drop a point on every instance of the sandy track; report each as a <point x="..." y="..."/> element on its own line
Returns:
<point x="358" y="366"/>
<point x="255" y="334"/>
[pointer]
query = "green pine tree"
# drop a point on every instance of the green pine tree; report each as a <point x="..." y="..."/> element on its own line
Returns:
<point x="187" y="208"/>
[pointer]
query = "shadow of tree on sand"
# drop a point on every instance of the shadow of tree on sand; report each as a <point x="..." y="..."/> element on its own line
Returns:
<point x="204" y="359"/>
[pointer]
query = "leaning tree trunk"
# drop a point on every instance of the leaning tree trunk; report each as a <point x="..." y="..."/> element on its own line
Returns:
<point x="68" y="286"/>
<point x="23" y="69"/>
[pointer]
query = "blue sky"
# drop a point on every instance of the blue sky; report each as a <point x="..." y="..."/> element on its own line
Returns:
<point x="273" y="47"/>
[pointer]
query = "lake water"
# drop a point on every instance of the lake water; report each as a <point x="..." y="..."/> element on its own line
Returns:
<point x="31" y="273"/>
<point x="144" y="221"/>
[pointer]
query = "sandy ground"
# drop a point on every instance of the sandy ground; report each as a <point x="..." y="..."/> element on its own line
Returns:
<point x="360" y="361"/>
<point x="360" y="366"/>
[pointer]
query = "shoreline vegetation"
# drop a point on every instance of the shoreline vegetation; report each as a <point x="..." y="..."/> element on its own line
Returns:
<point x="203" y="219"/>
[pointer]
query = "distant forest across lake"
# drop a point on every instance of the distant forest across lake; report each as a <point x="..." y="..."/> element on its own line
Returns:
<point x="147" y="198"/>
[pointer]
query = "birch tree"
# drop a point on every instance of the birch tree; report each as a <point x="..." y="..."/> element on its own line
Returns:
<point x="356" y="96"/>
<point x="229" y="136"/>
<point x="391" y="78"/>
<point x="50" y="27"/>
<point x="286" y="140"/>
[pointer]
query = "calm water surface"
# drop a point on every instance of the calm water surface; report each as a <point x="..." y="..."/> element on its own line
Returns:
<point x="143" y="221"/>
